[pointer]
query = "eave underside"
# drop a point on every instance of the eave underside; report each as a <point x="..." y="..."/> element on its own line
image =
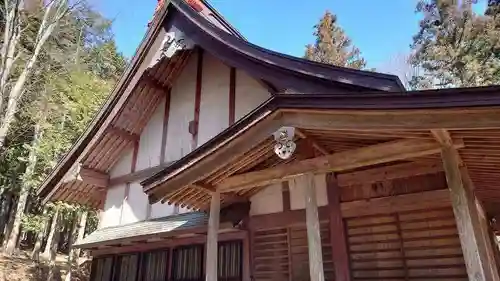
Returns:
<point x="329" y="132"/>
<point x="124" y="131"/>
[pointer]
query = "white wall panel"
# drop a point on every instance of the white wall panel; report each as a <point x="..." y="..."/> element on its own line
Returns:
<point x="136" y="206"/>
<point x="249" y="94"/>
<point x="150" y="143"/>
<point x="181" y="112"/>
<point x="296" y="186"/>
<point x="214" y="105"/>
<point x="124" y="164"/>
<point x="112" y="206"/>
<point x="267" y="201"/>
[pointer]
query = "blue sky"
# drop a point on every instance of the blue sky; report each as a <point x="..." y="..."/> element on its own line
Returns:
<point x="381" y="32"/>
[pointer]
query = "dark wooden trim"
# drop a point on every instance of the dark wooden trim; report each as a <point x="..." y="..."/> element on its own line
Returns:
<point x="338" y="238"/>
<point x="168" y="242"/>
<point x="284" y="219"/>
<point x="290" y="255"/>
<point x="165" y="128"/>
<point x="402" y="246"/>
<point x="246" y="257"/>
<point x="197" y="99"/>
<point x="232" y="95"/>
<point x="135" y="154"/>
<point x="170" y="263"/>
<point x="384" y="205"/>
<point x="286" y="196"/>
<point x="141" y="174"/>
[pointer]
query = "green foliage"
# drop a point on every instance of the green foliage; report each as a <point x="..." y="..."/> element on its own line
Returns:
<point x="77" y="68"/>
<point x="456" y="47"/>
<point x="333" y="46"/>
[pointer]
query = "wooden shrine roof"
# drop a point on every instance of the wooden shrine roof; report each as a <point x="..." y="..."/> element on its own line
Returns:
<point x="336" y="124"/>
<point x="118" y="125"/>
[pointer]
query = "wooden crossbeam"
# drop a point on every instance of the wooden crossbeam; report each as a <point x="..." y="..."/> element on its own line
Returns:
<point x="380" y="174"/>
<point x="138" y="175"/>
<point x="392" y="119"/>
<point x="124" y="134"/>
<point x="88" y="176"/>
<point x="356" y="158"/>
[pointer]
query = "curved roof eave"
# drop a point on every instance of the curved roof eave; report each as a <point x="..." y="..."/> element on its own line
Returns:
<point x="283" y="70"/>
<point x="431" y="100"/>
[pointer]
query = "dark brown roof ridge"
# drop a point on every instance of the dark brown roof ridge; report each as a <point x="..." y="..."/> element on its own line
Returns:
<point x="223" y="21"/>
<point x="227" y="47"/>
<point x="426" y="99"/>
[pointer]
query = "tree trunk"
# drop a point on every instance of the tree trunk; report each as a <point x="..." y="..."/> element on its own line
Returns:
<point x="52" y="246"/>
<point x="54" y="11"/>
<point x="51" y="240"/>
<point x="35" y="254"/>
<point x="25" y="190"/>
<point x="8" y="227"/>
<point x="75" y="232"/>
<point x="81" y="233"/>
<point x="4" y="213"/>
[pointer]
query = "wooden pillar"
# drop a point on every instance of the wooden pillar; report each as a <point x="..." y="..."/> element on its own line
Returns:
<point x="467" y="217"/>
<point x="212" y="240"/>
<point x="338" y="238"/>
<point x="313" y="230"/>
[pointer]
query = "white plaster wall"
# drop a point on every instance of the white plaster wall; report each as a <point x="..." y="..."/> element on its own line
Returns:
<point x="150" y="143"/>
<point x="250" y="93"/>
<point x="124" y="164"/>
<point x="267" y="201"/>
<point x="159" y="210"/>
<point x="181" y="112"/>
<point x="112" y="206"/>
<point x="214" y="102"/>
<point x="297" y="200"/>
<point x="135" y="207"/>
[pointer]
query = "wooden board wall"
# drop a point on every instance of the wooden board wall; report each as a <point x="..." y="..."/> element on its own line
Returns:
<point x="417" y="245"/>
<point x="281" y="254"/>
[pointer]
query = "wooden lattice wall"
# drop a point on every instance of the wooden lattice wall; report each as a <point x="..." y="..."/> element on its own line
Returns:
<point x="417" y="245"/>
<point x="281" y="254"/>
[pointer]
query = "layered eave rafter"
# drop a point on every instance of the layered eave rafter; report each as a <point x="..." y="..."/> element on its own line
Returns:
<point x="353" y="137"/>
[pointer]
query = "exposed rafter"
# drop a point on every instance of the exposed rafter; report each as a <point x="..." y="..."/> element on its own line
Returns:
<point x="366" y="156"/>
<point x="312" y="142"/>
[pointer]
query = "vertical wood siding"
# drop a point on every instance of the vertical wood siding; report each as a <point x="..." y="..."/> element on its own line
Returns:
<point x="406" y="246"/>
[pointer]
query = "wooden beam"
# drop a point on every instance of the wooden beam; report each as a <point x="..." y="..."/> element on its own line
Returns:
<point x="386" y="173"/>
<point x="473" y="118"/>
<point x="312" y="142"/>
<point x="141" y="174"/>
<point x="338" y="239"/>
<point x="225" y="152"/>
<point x="232" y="95"/>
<point x="474" y="245"/>
<point x="400" y="203"/>
<point x="197" y="100"/>
<point x="316" y="270"/>
<point x="124" y="134"/>
<point x="227" y="197"/>
<point x="88" y="176"/>
<point x="356" y="158"/>
<point x="164" y="134"/>
<point x="212" y="241"/>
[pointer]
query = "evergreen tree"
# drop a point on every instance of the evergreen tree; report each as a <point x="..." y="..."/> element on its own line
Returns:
<point x="333" y="46"/>
<point x="455" y="47"/>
